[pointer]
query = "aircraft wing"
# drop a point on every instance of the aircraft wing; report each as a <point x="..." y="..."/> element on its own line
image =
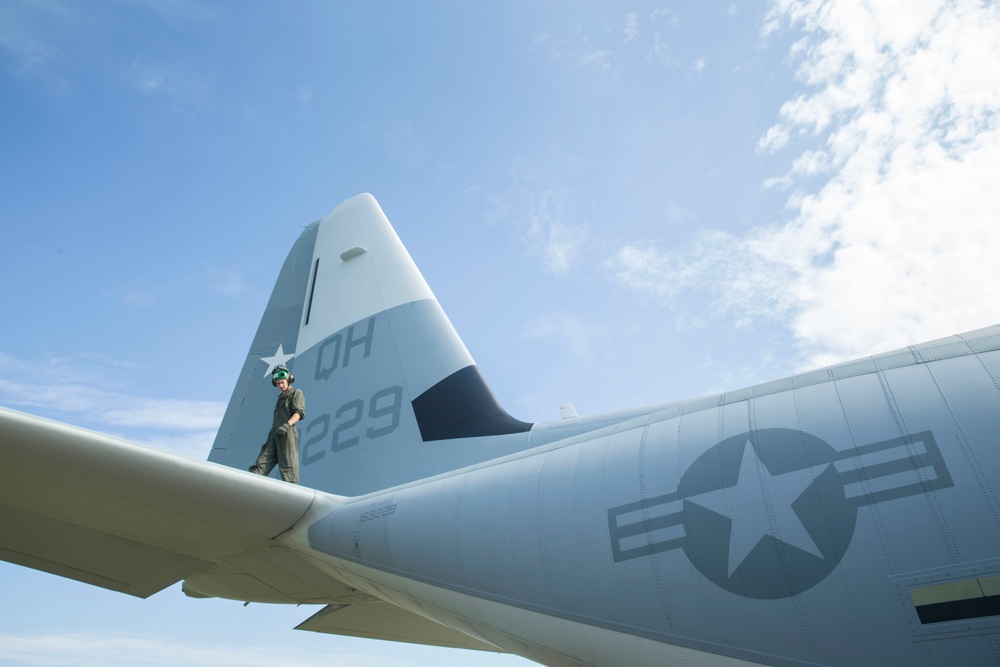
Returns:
<point x="127" y="518"/>
<point x="132" y="519"/>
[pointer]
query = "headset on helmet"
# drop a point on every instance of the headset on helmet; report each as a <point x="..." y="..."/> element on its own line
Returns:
<point x="281" y="373"/>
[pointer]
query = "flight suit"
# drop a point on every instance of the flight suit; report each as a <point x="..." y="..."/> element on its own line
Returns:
<point x="283" y="449"/>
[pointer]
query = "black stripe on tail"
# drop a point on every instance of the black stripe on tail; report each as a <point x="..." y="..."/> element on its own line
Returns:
<point x="463" y="406"/>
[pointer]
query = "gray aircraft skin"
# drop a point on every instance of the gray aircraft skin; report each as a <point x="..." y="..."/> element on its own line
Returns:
<point x="845" y="516"/>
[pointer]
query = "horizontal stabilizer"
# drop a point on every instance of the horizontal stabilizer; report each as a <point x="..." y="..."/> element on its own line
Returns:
<point x="380" y="620"/>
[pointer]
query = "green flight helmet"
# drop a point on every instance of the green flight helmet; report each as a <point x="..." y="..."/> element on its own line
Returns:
<point x="281" y="373"/>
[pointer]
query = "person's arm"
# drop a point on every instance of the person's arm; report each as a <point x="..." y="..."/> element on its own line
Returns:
<point x="298" y="407"/>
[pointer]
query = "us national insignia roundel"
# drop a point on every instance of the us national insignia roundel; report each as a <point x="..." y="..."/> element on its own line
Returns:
<point x="770" y="513"/>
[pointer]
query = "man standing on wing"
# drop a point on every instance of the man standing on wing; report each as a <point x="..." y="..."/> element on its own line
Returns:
<point x="282" y="446"/>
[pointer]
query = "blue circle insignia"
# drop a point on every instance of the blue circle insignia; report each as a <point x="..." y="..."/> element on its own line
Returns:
<point x="765" y="514"/>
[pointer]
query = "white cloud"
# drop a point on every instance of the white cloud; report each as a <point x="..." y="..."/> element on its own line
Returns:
<point x="192" y="444"/>
<point x="181" y="11"/>
<point x="114" y="408"/>
<point x="31" y="54"/>
<point x="582" y="339"/>
<point x="544" y="215"/>
<point x="775" y="138"/>
<point x="901" y="113"/>
<point x="674" y="213"/>
<point x="811" y="163"/>
<point x="579" y="52"/>
<point x="778" y="183"/>
<point x="134" y="295"/>
<point x="67" y="386"/>
<point x="737" y="274"/>
<point x="601" y="59"/>
<point x="631" y="28"/>
<point x="25" y="32"/>
<point x="661" y="53"/>
<point x="305" y="94"/>
<point x="227" y="282"/>
<point x="183" y="87"/>
<point x="663" y="14"/>
<point x="45" y="36"/>
<point x="122" y="649"/>
<point x="906" y="97"/>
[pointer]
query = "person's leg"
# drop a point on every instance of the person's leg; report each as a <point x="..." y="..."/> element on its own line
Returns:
<point x="266" y="459"/>
<point x="288" y="456"/>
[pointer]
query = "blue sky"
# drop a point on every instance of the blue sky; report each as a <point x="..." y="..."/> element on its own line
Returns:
<point x="616" y="203"/>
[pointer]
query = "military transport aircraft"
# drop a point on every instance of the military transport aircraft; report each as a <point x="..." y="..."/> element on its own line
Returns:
<point x="845" y="516"/>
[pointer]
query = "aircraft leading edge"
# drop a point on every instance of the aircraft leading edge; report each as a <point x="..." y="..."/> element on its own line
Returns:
<point x="846" y="516"/>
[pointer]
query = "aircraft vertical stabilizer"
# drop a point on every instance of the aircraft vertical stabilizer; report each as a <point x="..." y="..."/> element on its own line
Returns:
<point x="392" y="394"/>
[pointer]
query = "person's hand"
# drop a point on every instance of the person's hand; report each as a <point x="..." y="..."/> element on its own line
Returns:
<point x="282" y="431"/>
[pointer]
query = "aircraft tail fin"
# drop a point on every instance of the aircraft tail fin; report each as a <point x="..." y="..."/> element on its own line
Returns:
<point x="392" y="393"/>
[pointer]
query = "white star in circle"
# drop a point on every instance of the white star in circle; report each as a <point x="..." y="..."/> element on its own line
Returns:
<point x="279" y="359"/>
<point x="755" y="491"/>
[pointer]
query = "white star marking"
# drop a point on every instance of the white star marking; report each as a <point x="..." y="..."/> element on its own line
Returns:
<point x="746" y="504"/>
<point x="279" y="359"/>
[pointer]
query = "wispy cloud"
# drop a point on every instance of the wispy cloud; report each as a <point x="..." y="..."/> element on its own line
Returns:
<point x="545" y="215"/>
<point x="581" y="338"/>
<point x="115" y="408"/>
<point x="646" y="34"/>
<point x="402" y="142"/>
<point x="46" y="37"/>
<point x="230" y="282"/>
<point x="735" y="276"/>
<point x="180" y="11"/>
<point x="227" y="282"/>
<point x="901" y="115"/>
<point x="601" y="58"/>
<point x="124" y="649"/>
<point x="660" y="52"/>
<point x="578" y="51"/>
<point x="192" y="444"/>
<point x="663" y="15"/>
<point x="184" y="87"/>
<point x="906" y="106"/>
<point x="31" y="54"/>
<point x="631" y="27"/>
<point x="78" y="387"/>
<point x="674" y="213"/>
<point x="25" y="35"/>
<point x="135" y="294"/>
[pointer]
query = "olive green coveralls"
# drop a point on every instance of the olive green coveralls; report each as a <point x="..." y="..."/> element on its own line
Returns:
<point x="283" y="449"/>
